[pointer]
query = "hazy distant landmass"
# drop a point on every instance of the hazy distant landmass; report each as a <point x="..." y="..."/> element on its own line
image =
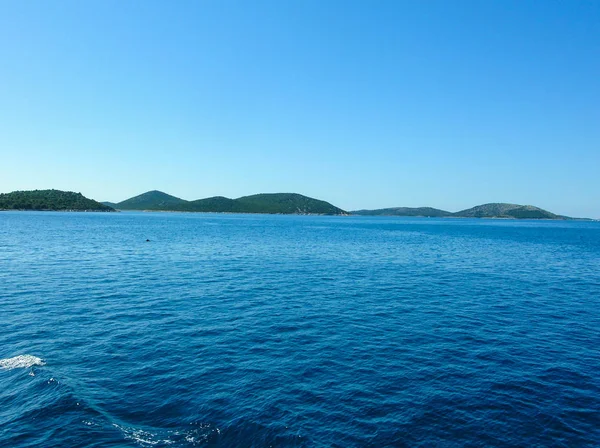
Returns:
<point x="51" y="200"/>
<point x="502" y="210"/>
<point x="492" y="210"/>
<point x="272" y="203"/>
<point x="429" y="212"/>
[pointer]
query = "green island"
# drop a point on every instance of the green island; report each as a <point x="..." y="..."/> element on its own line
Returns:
<point x="50" y="200"/>
<point x="271" y="203"/>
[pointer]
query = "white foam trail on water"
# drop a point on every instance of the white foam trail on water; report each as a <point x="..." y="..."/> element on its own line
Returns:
<point x="21" y="362"/>
<point x="145" y="438"/>
<point x="139" y="436"/>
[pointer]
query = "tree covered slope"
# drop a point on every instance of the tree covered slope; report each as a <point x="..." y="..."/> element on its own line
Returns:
<point x="50" y="200"/>
<point x="274" y="203"/>
<point x="151" y="200"/>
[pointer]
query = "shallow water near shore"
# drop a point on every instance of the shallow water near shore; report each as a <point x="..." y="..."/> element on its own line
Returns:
<point x="299" y="331"/>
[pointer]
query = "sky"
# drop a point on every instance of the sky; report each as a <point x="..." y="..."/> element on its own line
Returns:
<point x="365" y="104"/>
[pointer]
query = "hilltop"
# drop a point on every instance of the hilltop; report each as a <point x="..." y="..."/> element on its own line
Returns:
<point x="503" y="210"/>
<point x="50" y="200"/>
<point x="429" y="212"/>
<point x="272" y="203"/>
<point x="151" y="200"/>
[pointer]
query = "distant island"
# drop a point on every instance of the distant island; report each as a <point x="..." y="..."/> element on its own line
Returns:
<point x="50" y="200"/>
<point x="426" y="212"/>
<point x="265" y="203"/>
<point x="502" y="210"/>
<point x="492" y="210"/>
<point x="271" y="203"/>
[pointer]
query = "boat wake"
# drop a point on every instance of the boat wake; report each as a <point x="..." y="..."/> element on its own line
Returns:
<point x="21" y="362"/>
<point x="201" y="434"/>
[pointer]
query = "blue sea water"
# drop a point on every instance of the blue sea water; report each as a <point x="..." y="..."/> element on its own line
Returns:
<point x="297" y="331"/>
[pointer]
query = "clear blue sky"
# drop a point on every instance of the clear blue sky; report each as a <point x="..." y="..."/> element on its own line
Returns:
<point x="365" y="104"/>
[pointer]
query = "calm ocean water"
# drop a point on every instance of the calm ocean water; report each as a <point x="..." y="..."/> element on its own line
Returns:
<point x="297" y="331"/>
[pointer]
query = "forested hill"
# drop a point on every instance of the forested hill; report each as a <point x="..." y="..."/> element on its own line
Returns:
<point x="288" y="203"/>
<point x="273" y="203"/>
<point x="151" y="200"/>
<point x="50" y="200"/>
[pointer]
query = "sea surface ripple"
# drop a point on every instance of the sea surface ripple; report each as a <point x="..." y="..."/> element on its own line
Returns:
<point x="297" y="331"/>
